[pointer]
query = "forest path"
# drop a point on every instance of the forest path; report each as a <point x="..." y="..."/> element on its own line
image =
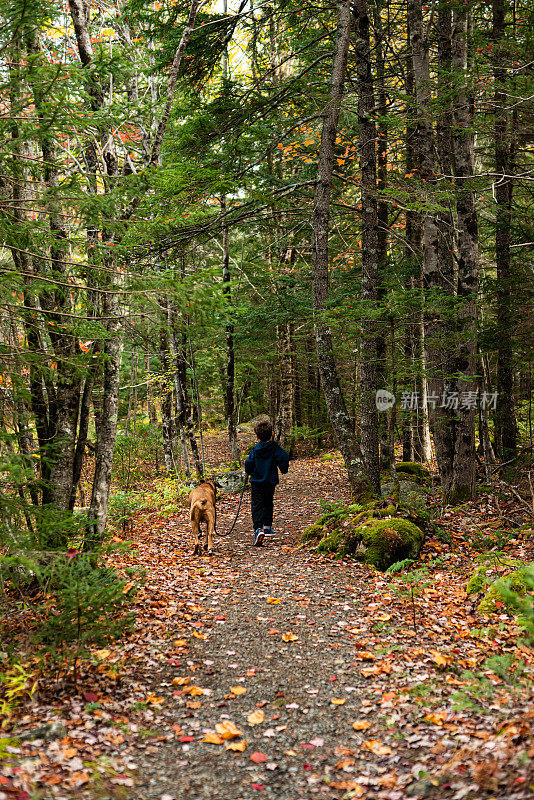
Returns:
<point x="318" y="645"/>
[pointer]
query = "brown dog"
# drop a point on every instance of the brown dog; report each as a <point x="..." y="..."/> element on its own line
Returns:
<point x="202" y="509"/>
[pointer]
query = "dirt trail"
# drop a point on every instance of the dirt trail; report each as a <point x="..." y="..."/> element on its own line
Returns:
<point x="318" y="645"/>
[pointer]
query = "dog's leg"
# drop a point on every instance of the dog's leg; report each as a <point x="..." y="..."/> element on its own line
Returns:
<point x="196" y="533"/>
<point x="209" y="531"/>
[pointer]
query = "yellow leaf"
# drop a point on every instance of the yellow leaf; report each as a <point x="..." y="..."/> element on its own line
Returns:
<point x="438" y="718"/>
<point x="237" y="690"/>
<point x="440" y="659"/>
<point x="181" y="681"/>
<point x="154" y="700"/>
<point x="128" y="586"/>
<point x="102" y="654"/>
<point x="238" y="747"/>
<point x="193" y="704"/>
<point x="256" y="717"/>
<point x="348" y="786"/>
<point x="70" y="752"/>
<point x="194" y="691"/>
<point x="227" y="730"/>
<point x="180" y="643"/>
<point x="289" y="637"/>
<point x="338" y="701"/>
<point x="290" y="753"/>
<point x="273" y="600"/>
<point x="213" y="738"/>
<point x="377" y="747"/>
<point x="198" y="635"/>
<point x="361" y="725"/>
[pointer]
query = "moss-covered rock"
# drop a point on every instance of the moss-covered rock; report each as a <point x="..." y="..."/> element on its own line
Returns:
<point x="493" y="600"/>
<point x="380" y="542"/>
<point x="418" y="471"/>
<point x="410" y="493"/>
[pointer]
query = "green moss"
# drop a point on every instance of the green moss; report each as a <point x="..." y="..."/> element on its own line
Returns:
<point x="413" y="468"/>
<point x="484" y="575"/>
<point x="7" y="742"/>
<point x="380" y="542"/>
<point x="389" y="540"/>
<point x="493" y="600"/>
<point x="315" y="531"/>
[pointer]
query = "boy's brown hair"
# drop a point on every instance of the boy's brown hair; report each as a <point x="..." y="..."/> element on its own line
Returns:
<point x="263" y="430"/>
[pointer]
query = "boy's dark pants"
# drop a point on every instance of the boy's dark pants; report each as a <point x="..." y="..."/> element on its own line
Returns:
<point x="261" y="502"/>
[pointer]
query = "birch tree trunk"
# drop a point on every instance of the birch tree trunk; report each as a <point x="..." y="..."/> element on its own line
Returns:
<point x="333" y="394"/>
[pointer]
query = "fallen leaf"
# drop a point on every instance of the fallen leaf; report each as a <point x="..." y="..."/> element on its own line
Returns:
<point x="377" y="747"/>
<point x="237" y="690"/>
<point x="338" y="701"/>
<point x="181" y="681"/>
<point x="361" y="725"/>
<point x="256" y="717"/>
<point x="193" y="704"/>
<point x="227" y="729"/>
<point x="154" y="699"/>
<point x="238" y="747"/>
<point x="259" y="786"/>
<point x="198" y="635"/>
<point x="273" y="600"/>
<point x="90" y="697"/>
<point x="194" y="691"/>
<point x="438" y="718"/>
<point x="213" y="738"/>
<point x="289" y="637"/>
<point x="440" y="659"/>
<point x="348" y="786"/>
<point x="180" y="643"/>
<point x="258" y="758"/>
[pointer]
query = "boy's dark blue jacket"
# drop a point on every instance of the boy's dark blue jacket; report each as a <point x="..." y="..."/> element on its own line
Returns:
<point x="263" y="461"/>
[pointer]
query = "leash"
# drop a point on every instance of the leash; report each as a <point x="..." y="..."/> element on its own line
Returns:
<point x="228" y="532"/>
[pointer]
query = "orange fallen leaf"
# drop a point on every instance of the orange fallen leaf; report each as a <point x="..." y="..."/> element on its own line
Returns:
<point x="258" y="758"/>
<point x="193" y="704"/>
<point x="154" y="700"/>
<point x="181" y="681"/>
<point x="238" y="747"/>
<point x="361" y="725"/>
<point x="237" y="690"/>
<point x="440" y="659"/>
<point x="198" y="635"/>
<point x="70" y="752"/>
<point x="291" y="753"/>
<point x="338" y="701"/>
<point x="377" y="747"/>
<point x="194" y="691"/>
<point x="348" y="786"/>
<point x="366" y="656"/>
<point x="256" y="717"/>
<point x="180" y="643"/>
<point x="273" y="600"/>
<point x="289" y="637"/>
<point x="438" y="718"/>
<point x="213" y="738"/>
<point x="227" y="729"/>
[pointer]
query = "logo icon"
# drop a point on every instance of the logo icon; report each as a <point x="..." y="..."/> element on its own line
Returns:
<point x="384" y="400"/>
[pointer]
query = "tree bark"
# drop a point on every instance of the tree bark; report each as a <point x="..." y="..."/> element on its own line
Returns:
<point x="463" y="483"/>
<point x="230" y="351"/>
<point x="335" y="402"/>
<point x="369" y="370"/>
<point x="504" y="417"/>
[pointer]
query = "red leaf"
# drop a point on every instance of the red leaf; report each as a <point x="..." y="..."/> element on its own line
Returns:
<point x="187" y="738"/>
<point x="259" y="786"/>
<point x="90" y="697"/>
<point x="258" y="758"/>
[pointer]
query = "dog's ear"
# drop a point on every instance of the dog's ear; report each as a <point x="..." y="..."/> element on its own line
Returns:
<point x="217" y="484"/>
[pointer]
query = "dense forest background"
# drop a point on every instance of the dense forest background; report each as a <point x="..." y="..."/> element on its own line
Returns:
<point x="212" y="210"/>
<point x="209" y="213"/>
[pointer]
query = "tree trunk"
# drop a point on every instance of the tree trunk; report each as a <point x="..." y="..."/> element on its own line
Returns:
<point x="463" y="484"/>
<point x="166" y="399"/>
<point x="504" y="417"/>
<point x="335" y="402"/>
<point x="369" y="369"/>
<point x="230" y="352"/>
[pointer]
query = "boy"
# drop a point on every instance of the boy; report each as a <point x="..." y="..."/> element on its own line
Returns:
<point x="262" y="464"/>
